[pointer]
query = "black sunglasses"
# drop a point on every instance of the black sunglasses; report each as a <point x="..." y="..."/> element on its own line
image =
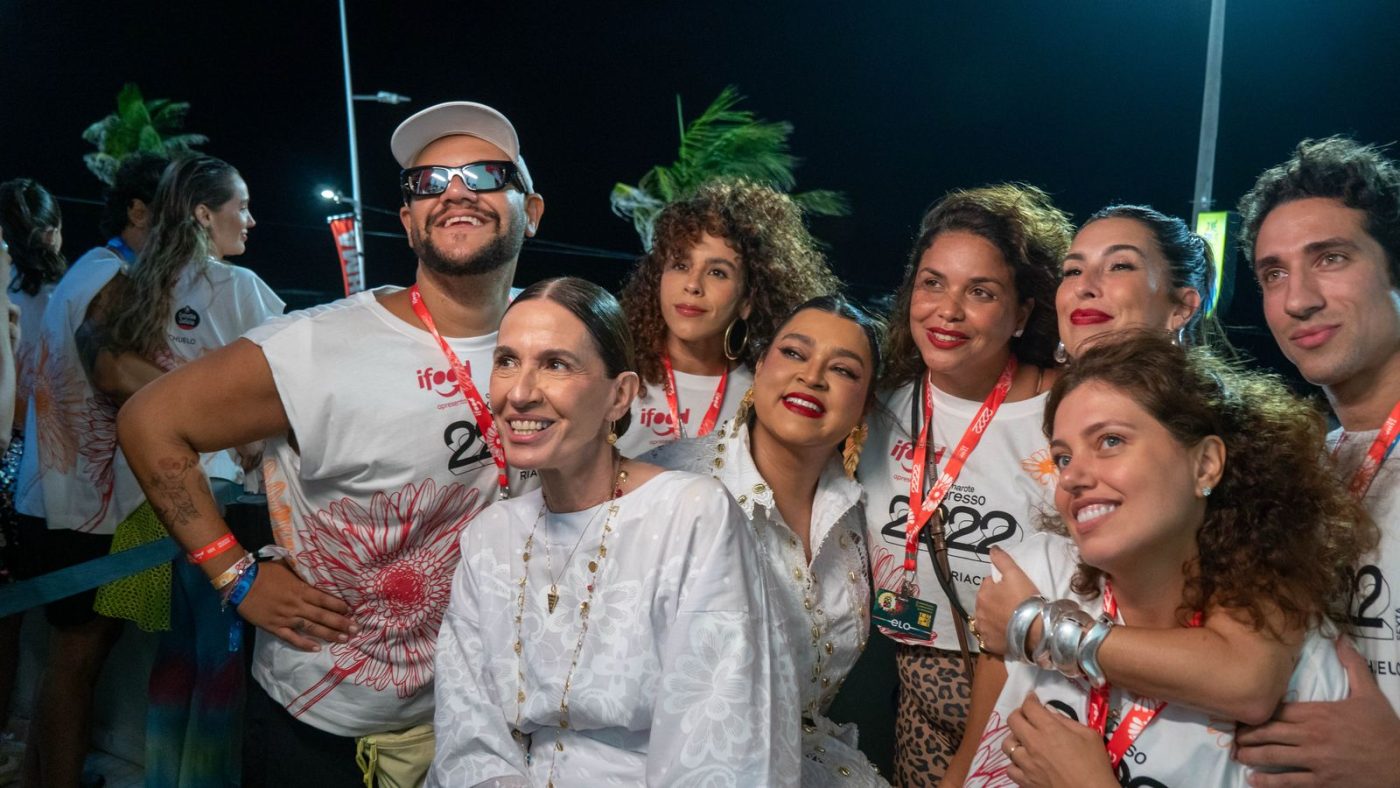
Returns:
<point x="478" y="176"/>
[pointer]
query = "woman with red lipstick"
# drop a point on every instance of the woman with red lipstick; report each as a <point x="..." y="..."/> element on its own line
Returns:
<point x="613" y="627"/>
<point x="1192" y="492"/>
<point x="727" y="263"/>
<point x="956" y="463"/>
<point x="1130" y="266"/>
<point x="782" y="459"/>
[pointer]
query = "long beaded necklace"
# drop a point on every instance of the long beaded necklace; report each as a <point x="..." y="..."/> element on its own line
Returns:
<point x="551" y="600"/>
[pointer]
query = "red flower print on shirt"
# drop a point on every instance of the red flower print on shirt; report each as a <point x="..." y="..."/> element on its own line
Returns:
<point x="392" y="562"/>
<point x="58" y="405"/>
<point x="989" y="765"/>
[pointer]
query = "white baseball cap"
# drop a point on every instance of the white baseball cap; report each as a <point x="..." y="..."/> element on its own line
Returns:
<point x="457" y="117"/>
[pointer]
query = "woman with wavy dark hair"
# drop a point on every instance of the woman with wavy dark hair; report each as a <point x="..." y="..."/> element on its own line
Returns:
<point x="955" y="461"/>
<point x="789" y="458"/>
<point x="1131" y="266"/>
<point x="1194" y="492"/>
<point x="727" y="264"/>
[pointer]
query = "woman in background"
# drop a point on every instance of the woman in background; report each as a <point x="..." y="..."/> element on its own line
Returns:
<point x="726" y="265"/>
<point x="1128" y="267"/>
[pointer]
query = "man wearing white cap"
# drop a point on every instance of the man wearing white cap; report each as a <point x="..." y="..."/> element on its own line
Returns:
<point x="379" y="451"/>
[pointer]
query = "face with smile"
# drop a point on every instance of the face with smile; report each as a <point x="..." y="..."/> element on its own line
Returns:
<point x="963" y="311"/>
<point x="550" y="391"/>
<point x="1115" y="277"/>
<point x="702" y="290"/>
<point x="1129" y="492"/>
<point x="461" y="232"/>
<point x="228" y="224"/>
<point x="810" y="387"/>
<point x="1328" y="298"/>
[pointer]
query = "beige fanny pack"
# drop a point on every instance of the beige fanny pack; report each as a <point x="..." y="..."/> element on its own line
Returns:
<point x="398" y="759"/>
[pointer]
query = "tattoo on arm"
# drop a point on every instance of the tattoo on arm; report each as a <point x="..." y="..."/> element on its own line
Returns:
<point x="170" y="493"/>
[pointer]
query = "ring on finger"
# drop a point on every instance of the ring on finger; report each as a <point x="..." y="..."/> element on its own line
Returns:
<point x="972" y="627"/>
<point x="1011" y="753"/>
<point x="300" y="625"/>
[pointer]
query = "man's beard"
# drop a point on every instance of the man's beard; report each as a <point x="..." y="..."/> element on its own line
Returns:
<point x="502" y="249"/>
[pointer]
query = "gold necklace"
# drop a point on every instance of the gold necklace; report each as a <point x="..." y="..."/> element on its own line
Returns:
<point x="552" y="598"/>
<point x="621" y="478"/>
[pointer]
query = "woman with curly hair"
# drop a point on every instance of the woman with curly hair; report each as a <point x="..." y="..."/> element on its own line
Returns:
<point x="956" y="462"/>
<point x="726" y="265"/>
<point x="1194" y="492"/>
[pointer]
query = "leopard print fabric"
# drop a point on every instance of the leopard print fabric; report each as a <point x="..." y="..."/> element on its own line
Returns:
<point x="934" y="697"/>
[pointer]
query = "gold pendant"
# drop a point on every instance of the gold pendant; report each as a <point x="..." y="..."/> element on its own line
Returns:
<point x="552" y="598"/>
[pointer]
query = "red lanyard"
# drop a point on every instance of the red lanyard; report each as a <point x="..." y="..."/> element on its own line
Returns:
<point x="922" y="508"/>
<point x="1136" y="719"/>
<point x="484" y="421"/>
<point x="711" y="415"/>
<point x="1375" y="456"/>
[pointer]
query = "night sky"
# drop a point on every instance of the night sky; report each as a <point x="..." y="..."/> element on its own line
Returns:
<point x="1094" y="100"/>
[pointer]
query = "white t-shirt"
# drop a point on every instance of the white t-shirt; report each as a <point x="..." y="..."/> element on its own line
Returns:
<point x="1181" y="746"/>
<point x="213" y="305"/>
<point x="31" y="319"/>
<point x="73" y="472"/>
<point x="1006" y="484"/>
<point x="652" y="424"/>
<point x="388" y="470"/>
<point x="1375" y="616"/>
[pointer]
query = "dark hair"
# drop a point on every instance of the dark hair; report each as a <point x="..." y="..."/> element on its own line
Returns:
<point x="27" y="212"/>
<point x="136" y="179"/>
<point x="1032" y="236"/>
<point x="176" y="240"/>
<point x="1359" y="176"/>
<point x="782" y="265"/>
<point x="600" y="314"/>
<point x="1281" y="533"/>
<point x="841" y="306"/>
<point x="1189" y="261"/>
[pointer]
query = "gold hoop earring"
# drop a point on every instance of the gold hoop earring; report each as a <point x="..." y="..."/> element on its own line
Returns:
<point x="731" y="353"/>
<point x="850" y="452"/>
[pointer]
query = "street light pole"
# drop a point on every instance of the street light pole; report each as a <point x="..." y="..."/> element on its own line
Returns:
<point x="354" y="147"/>
<point x="1210" y="113"/>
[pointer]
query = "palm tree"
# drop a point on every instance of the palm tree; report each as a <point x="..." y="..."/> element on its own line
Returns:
<point x="137" y="125"/>
<point x="722" y="142"/>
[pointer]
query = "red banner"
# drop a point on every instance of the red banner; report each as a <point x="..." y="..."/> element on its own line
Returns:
<point x="347" y="245"/>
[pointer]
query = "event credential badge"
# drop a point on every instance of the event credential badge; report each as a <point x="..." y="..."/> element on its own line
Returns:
<point x="907" y="615"/>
